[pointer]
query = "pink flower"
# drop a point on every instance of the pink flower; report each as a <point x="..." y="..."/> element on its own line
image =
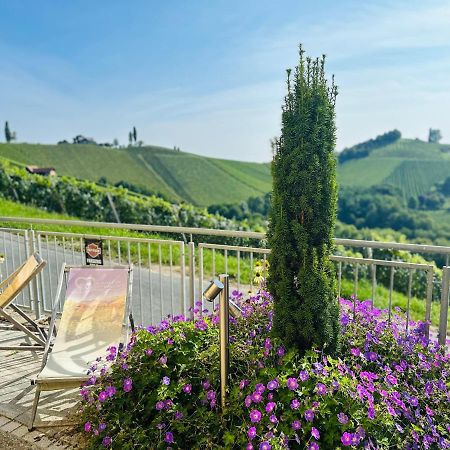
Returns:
<point x="296" y="425"/>
<point x="127" y="384"/>
<point x="255" y="416"/>
<point x="270" y="407"/>
<point x="251" y="432"/>
<point x="292" y="384"/>
<point x="187" y="388"/>
<point x="346" y="439"/>
<point x="315" y="433"/>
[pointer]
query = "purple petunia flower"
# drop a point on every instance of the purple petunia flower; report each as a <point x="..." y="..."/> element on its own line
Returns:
<point x="87" y="427"/>
<point x="166" y="381"/>
<point x="249" y="446"/>
<point x="255" y="416"/>
<point x="210" y="395"/>
<point x="160" y="405"/>
<point x="187" y="388"/>
<point x="206" y="385"/>
<point x="346" y="439"/>
<point x="342" y="418"/>
<point x="273" y="418"/>
<point x="313" y="446"/>
<point x="270" y="407"/>
<point x="168" y="437"/>
<point x="127" y="384"/>
<point x="242" y="384"/>
<point x="178" y="415"/>
<point x="149" y="352"/>
<point x="296" y="425"/>
<point x="264" y="446"/>
<point x="303" y="375"/>
<point x="260" y="388"/>
<point x="256" y="397"/>
<point x="102" y="396"/>
<point x="106" y="442"/>
<point x="272" y="385"/>
<point x="280" y="351"/>
<point x="292" y="384"/>
<point x="248" y="401"/>
<point x="102" y="426"/>
<point x="110" y="391"/>
<point x="315" y="433"/>
<point x="309" y="415"/>
<point x="251" y="432"/>
<point x="295" y="404"/>
<point x="163" y="360"/>
<point x="321" y="389"/>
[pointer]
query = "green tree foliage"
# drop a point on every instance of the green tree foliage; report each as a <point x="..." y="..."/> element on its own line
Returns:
<point x="303" y="213"/>
<point x="134" y="134"/>
<point x="364" y="148"/>
<point x="8" y="135"/>
<point x="434" y="136"/>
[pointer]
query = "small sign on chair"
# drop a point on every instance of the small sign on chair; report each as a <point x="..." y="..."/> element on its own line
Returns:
<point x="93" y="249"/>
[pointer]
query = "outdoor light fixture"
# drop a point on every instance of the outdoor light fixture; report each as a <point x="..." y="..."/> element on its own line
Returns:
<point x="213" y="290"/>
<point x="221" y="286"/>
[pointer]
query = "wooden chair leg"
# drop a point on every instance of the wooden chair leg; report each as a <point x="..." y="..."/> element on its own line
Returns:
<point x="34" y="408"/>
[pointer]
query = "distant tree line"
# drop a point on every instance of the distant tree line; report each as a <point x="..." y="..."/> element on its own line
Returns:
<point x="364" y="148"/>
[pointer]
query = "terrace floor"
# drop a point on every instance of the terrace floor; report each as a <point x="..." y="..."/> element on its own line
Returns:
<point x="17" y="368"/>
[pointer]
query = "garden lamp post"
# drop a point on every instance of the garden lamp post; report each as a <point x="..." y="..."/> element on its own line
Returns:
<point x="221" y="287"/>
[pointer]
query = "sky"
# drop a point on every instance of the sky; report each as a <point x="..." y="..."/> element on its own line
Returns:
<point x="209" y="76"/>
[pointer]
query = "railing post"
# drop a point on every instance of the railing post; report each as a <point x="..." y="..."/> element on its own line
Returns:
<point x="224" y="321"/>
<point x="192" y="277"/>
<point x="34" y="301"/>
<point x="443" y="317"/>
<point x="183" y="279"/>
<point x="430" y="277"/>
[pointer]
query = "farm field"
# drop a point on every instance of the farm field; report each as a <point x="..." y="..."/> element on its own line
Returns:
<point x="414" y="166"/>
<point x="179" y="176"/>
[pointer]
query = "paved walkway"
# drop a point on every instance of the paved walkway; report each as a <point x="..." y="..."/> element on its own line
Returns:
<point x="17" y="368"/>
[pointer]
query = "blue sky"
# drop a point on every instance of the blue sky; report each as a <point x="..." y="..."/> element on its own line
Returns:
<point x="209" y="76"/>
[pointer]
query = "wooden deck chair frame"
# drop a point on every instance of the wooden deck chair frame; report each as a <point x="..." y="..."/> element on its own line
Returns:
<point x="72" y="382"/>
<point x="37" y="334"/>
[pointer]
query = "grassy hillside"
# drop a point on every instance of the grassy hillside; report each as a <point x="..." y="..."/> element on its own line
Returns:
<point x="412" y="165"/>
<point x="177" y="175"/>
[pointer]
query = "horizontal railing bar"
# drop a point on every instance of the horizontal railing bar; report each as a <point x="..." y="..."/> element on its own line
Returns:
<point x="8" y="230"/>
<point x="235" y="248"/>
<point x="105" y="237"/>
<point x="417" y="248"/>
<point x="381" y="262"/>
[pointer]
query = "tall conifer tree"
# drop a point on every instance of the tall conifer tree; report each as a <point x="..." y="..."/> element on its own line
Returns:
<point x="303" y="213"/>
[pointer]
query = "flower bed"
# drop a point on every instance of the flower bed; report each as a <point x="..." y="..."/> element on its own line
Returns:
<point x="383" y="390"/>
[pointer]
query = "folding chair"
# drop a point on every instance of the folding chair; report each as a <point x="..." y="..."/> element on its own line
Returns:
<point x="97" y="302"/>
<point x="11" y="287"/>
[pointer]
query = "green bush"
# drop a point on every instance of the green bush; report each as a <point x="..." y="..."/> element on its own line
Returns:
<point x="303" y="213"/>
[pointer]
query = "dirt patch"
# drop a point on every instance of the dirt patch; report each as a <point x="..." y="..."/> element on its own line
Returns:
<point x="10" y="442"/>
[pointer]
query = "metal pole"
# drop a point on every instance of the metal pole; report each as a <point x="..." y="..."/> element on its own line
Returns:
<point x="444" y="306"/>
<point x="224" y="316"/>
<point x="192" y="277"/>
<point x="35" y="302"/>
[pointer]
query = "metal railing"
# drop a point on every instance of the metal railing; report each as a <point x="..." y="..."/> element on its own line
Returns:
<point x="165" y="274"/>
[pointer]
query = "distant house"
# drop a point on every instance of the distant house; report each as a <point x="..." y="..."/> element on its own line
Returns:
<point x="47" y="171"/>
<point x="80" y="139"/>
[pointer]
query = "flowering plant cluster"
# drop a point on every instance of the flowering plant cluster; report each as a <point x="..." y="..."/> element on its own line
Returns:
<point x="385" y="389"/>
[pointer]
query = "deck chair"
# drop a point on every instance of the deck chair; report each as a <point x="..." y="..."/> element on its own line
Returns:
<point x="10" y="288"/>
<point x="97" y="303"/>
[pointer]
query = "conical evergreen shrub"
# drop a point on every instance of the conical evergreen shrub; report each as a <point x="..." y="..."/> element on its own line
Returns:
<point x="303" y="212"/>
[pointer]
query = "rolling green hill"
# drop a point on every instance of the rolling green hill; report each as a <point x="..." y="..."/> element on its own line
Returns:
<point x="412" y="165"/>
<point x="177" y="175"/>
